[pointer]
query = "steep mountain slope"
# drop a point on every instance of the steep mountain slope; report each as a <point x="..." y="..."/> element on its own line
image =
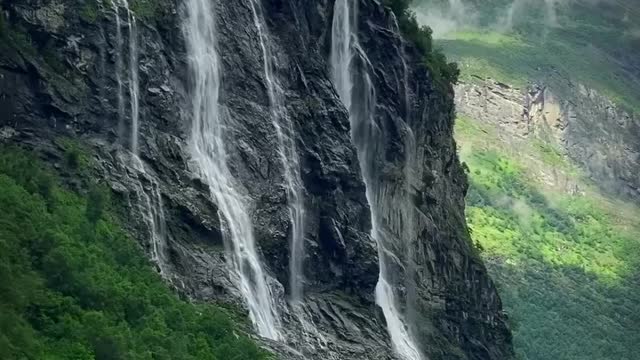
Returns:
<point x="193" y="114"/>
<point x="548" y="127"/>
<point x="580" y="56"/>
<point x="564" y="255"/>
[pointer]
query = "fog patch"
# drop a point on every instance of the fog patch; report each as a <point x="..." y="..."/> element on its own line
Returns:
<point x="448" y="16"/>
<point x="523" y="211"/>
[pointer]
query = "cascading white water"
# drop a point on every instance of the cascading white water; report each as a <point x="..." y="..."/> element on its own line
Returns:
<point x="207" y="145"/>
<point x="357" y="92"/>
<point x="134" y="82"/>
<point x="413" y="171"/>
<point x="288" y="156"/>
<point x="152" y="207"/>
<point x="158" y="229"/>
<point x="152" y="210"/>
<point x="133" y="74"/>
<point x="342" y="49"/>
<point x="119" y="42"/>
<point x="293" y="182"/>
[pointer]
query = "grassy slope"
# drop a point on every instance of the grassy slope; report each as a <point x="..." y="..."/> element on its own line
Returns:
<point x="74" y="285"/>
<point x="567" y="265"/>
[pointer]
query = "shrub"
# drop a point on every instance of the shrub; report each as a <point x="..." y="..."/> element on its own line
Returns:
<point x="421" y="36"/>
<point x="89" y="11"/>
<point x="97" y="201"/>
<point x="75" y="156"/>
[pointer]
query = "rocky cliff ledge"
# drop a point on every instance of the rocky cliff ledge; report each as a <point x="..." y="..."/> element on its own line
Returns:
<point x="584" y="125"/>
<point x="64" y="70"/>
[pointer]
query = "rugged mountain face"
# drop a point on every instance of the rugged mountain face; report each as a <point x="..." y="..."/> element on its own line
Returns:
<point x="565" y="70"/>
<point x="590" y="129"/>
<point x="68" y="69"/>
<point x="548" y="128"/>
<point x="551" y="196"/>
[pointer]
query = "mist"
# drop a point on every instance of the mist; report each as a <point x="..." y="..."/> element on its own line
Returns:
<point x="447" y="16"/>
<point x="444" y="18"/>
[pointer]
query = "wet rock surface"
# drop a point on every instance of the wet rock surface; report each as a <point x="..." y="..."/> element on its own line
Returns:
<point x="58" y="80"/>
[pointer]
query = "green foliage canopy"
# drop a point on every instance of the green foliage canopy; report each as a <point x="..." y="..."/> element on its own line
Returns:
<point x="74" y="285"/>
<point x="566" y="265"/>
<point x="444" y="72"/>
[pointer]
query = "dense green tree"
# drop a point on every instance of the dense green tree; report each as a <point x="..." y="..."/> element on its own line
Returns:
<point x="444" y="72"/>
<point x="74" y="285"/>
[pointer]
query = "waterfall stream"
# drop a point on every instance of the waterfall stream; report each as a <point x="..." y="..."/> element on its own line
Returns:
<point x="134" y="83"/>
<point x="119" y="67"/>
<point x="350" y="75"/>
<point x="288" y="156"/>
<point x="208" y="149"/>
<point x="151" y="206"/>
<point x="132" y="75"/>
<point x="152" y="209"/>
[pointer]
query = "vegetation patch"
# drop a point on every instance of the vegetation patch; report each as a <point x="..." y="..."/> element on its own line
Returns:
<point x="489" y="38"/>
<point x="15" y="37"/>
<point x="444" y="72"/>
<point x="150" y="10"/>
<point x="74" y="285"/>
<point x="76" y="156"/>
<point x="583" y="43"/>
<point x="89" y="11"/>
<point x="566" y="264"/>
<point x="550" y="155"/>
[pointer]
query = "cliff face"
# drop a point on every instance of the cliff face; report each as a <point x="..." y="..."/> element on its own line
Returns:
<point x="65" y="72"/>
<point x="586" y="126"/>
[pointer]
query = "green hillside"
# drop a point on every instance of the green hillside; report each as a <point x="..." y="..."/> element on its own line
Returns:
<point x="567" y="266"/>
<point x="567" y="263"/>
<point x="74" y="285"/>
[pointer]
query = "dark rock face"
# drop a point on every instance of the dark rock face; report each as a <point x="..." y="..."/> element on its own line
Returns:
<point x="60" y="81"/>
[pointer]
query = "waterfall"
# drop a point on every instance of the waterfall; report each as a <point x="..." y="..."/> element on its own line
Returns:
<point x="152" y="210"/>
<point x="151" y="207"/>
<point x="119" y="66"/>
<point x="356" y="90"/>
<point x="341" y="49"/>
<point x="133" y="78"/>
<point x="288" y="156"/>
<point x="295" y="191"/>
<point x="413" y="171"/>
<point x="207" y="145"/>
<point x="134" y="83"/>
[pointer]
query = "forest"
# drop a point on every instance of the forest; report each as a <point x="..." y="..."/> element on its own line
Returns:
<point x="75" y="285"/>
<point x="566" y="265"/>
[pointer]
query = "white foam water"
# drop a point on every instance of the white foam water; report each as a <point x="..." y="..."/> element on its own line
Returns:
<point x="357" y="92"/>
<point x="132" y="73"/>
<point x="119" y="66"/>
<point x="288" y="156"/>
<point x="151" y="207"/>
<point x="152" y="210"/>
<point x="208" y="150"/>
<point x="134" y="82"/>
